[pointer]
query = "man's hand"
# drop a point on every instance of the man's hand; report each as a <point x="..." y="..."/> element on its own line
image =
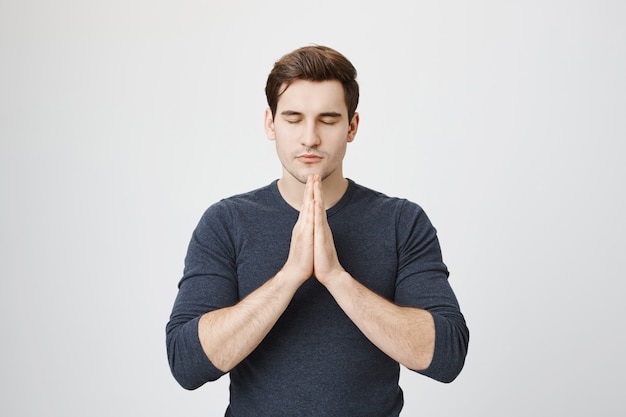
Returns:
<point x="326" y="264"/>
<point x="312" y="249"/>
<point x="300" y="261"/>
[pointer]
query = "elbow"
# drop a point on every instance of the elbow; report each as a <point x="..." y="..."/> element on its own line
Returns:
<point x="433" y="368"/>
<point x="189" y="382"/>
<point x="450" y="351"/>
<point x="451" y="374"/>
<point x="447" y="371"/>
<point x="184" y="373"/>
<point x="184" y="381"/>
<point x="180" y="369"/>
<point x="188" y="364"/>
<point x="191" y="373"/>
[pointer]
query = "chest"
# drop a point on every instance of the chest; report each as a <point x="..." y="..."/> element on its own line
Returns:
<point x="366" y="248"/>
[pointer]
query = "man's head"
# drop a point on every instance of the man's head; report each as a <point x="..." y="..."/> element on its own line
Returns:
<point x="313" y="63"/>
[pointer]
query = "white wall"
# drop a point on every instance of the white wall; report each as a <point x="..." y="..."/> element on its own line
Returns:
<point x="121" y="121"/>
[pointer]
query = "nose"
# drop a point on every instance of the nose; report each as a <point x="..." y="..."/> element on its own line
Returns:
<point x="310" y="137"/>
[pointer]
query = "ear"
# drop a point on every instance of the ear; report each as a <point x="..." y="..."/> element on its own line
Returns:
<point x="269" y="125"/>
<point x="354" y="126"/>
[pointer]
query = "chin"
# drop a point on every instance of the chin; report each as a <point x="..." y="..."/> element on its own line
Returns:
<point x="302" y="175"/>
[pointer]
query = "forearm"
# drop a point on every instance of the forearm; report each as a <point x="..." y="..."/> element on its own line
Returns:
<point x="406" y="334"/>
<point x="230" y="334"/>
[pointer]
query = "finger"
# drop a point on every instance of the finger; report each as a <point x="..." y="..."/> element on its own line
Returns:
<point x="320" y="211"/>
<point x="308" y="210"/>
<point x="308" y="189"/>
<point x="307" y="196"/>
<point x="317" y="190"/>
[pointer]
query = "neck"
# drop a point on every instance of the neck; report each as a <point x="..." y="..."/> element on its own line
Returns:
<point x="333" y="187"/>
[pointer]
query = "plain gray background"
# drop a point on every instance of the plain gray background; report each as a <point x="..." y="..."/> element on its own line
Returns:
<point x="121" y="121"/>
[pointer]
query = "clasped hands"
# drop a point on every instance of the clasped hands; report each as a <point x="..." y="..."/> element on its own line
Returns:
<point x="312" y="250"/>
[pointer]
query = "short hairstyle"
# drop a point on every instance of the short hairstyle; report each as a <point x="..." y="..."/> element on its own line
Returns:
<point x="313" y="63"/>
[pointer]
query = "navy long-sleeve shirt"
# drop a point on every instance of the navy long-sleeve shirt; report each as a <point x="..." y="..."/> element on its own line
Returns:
<point x="315" y="361"/>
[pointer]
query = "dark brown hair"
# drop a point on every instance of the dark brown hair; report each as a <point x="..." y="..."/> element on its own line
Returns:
<point x="313" y="63"/>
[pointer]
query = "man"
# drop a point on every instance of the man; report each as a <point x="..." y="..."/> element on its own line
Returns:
<point x="311" y="291"/>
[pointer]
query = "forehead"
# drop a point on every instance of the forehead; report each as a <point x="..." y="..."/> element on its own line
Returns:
<point x="313" y="97"/>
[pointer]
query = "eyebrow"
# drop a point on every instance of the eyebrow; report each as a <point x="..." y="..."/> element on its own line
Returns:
<point x="297" y="113"/>
<point x="330" y="114"/>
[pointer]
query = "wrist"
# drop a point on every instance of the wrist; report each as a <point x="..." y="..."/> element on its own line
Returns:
<point x="334" y="279"/>
<point x="291" y="276"/>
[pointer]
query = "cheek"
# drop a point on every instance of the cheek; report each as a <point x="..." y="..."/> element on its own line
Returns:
<point x="286" y="135"/>
<point x="340" y="143"/>
<point x="337" y="152"/>
<point x="283" y="150"/>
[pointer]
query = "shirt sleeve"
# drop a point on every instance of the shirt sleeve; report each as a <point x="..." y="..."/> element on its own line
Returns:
<point x="208" y="283"/>
<point x="422" y="282"/>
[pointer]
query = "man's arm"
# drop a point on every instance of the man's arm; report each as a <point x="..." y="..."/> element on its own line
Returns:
<point x="230" y="334"/>
<point x="405" y="334"/>
<point x="432" y="340"/>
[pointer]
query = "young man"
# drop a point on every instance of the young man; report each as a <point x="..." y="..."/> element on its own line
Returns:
<point x="312" y="291"/>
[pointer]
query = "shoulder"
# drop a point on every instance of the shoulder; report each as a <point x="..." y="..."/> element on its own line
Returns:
<point x="376" y="200"/>
<point x="405" y="216"/>
<point x="263" y="195"/>
<point x="249" y="200"/>
<point x="228" y="215"/>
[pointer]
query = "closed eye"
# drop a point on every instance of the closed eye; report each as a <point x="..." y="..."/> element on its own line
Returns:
<point x="291" y="116"/>
<point x="330" y="118"/>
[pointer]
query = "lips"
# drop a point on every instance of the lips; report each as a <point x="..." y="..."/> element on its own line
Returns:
<point x="309" y="158"/>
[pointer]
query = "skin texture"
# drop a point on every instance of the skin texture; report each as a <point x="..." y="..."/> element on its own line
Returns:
<point x="311" y="132"/>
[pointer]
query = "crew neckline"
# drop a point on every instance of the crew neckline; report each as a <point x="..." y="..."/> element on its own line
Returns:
<point x="329" y="212"/>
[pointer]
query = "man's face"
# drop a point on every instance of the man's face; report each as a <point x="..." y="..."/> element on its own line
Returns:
<point x="311" y="129"/>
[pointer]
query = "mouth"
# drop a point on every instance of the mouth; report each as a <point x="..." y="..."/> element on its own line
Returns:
<point x="309" y="158"/>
